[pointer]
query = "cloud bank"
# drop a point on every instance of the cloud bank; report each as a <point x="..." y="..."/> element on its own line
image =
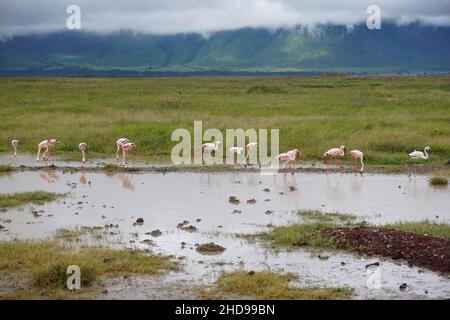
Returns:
<point x="18" y="17"/>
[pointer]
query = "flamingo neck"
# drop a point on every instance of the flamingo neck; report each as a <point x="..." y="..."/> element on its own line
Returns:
<point x="426" y="154"/>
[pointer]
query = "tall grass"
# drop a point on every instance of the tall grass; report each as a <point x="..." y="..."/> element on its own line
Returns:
<point x="385" y="117"/>
<point x="20" y="198"/>
<point x="267" y="285"/>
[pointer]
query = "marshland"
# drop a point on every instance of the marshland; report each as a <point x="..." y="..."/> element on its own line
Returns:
<point x="152" y="230"/>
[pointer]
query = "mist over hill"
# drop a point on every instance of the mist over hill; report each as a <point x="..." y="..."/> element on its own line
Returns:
<point x="411" y="48"/>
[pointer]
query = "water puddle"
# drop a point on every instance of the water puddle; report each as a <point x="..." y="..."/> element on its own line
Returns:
<point x="169" y="202"/>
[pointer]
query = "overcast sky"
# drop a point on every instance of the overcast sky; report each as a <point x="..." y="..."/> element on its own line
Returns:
<point x="206" y="16"/>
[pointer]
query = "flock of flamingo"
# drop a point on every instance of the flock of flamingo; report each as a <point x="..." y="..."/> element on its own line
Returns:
<point x="288" y="157"/>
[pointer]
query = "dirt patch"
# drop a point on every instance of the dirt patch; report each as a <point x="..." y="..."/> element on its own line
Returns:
<point x="418" y="250"/>
<point x="210" y="248"/>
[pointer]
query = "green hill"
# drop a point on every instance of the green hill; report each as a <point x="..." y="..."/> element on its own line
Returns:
<point x="412" y="48"/>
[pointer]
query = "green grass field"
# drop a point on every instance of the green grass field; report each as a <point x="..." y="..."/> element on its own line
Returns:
<point x="385" y="117"/>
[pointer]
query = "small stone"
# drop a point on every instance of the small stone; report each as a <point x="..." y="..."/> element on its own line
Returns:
<point x="233" y="200"/>
<point x="236" y="212"/>
<point x="397" y="255"/>
<point x="251" y="201"/>
<point x="292" y="188"/>
<point x="266" y="190"/>
<point x="139" y="221"/>
<point x="156" y="233"/>
<point x="403" y="286"/>
<point x="251" y="273"/>
<point x="375" y="264"/>
<point x="268" y="212"/>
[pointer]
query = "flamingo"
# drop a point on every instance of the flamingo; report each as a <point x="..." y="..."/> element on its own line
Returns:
<point x="210" y="147"/>
<point x="420" y="155"/>
<point x="14" y="144"/>
<point x="47" y="145"/>
<point x="335" y="153"/>
<point x="356" y="154"/>
<point x="235" y="150"/>
<point x="126" y="147"/>
<point x="82" y="146"/>
<point x="119" y="143"/>
<point x="289" y="156"/>
<point x="250" y="146"/>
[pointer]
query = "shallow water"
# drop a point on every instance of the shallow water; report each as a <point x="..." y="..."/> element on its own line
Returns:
<point x="164" y="200"/>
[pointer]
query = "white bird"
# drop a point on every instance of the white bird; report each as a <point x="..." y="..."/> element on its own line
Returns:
<point x="14" y="144"/>
<point x="83" y="146"/>
<point x="210" y="146"/>
<point x="419" y="154"/>
<point x="250" y="146"/>
<point x="119" y="143"/>
<point x="235" y="150"/>
<point x="47" y="145"/>
<point x="356" y="154"/>
<point x="335" y="154"/>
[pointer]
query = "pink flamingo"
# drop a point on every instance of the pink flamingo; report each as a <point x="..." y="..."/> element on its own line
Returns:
<point x="14" y="144"/>
<point x="210" y="147"/>
<point x="126" y="147"/>
<point x="356" y="154"/>
<point x="335" y="153"/>
<point x="119" y="143"/>
<point x="289" y="156"/>
<point x="82" y="146"/>
<point x="235" y="150"/>
<point x="250" y="146"/>
<point x="47" y="145"/>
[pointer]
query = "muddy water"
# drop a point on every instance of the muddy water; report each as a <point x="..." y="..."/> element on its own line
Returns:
<point x="164" y="201"/>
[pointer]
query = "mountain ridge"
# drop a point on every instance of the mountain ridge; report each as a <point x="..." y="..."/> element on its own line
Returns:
<point x="393" y="49"/>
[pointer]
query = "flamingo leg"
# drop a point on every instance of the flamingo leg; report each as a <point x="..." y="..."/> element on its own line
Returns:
<point x="44" y="155"/>
<point x="38" y="154"/>
<point x="117" y="152"/>
<point x="293" y="167"/>
<point x="123" y="157"/>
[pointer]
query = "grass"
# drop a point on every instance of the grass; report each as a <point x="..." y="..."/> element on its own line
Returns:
<point x="439" y="181"/>
<point x="76" y="233"/>
<point x="302" y="234"/>
<point x="309" y="234"/>
<point x="269" y="285"/>
<point x="110" y="168"/>
<point x="324" y="217"/>
<point x="21" y="198"/>
<point x="385" y="117"/>
<point x="45" y="265"/>
<point x="439" y="230"/>
<point x="5" y="169"/>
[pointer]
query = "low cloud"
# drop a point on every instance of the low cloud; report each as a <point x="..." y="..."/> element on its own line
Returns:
<point x="206" y="16"/>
